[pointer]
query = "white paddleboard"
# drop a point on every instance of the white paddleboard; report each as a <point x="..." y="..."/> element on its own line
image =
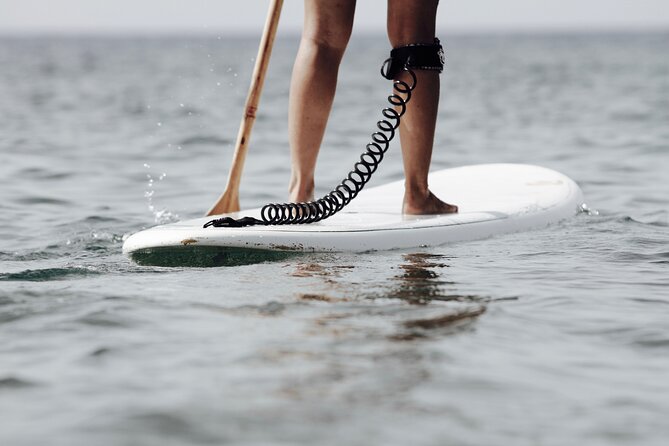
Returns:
<point x="492" y="199"/>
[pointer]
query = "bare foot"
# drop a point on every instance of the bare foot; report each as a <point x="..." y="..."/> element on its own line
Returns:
<point x="425" y="204"/>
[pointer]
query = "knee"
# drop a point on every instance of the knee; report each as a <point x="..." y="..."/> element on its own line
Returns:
<point x="326" y="44"/>
<point x="323" y="47"/>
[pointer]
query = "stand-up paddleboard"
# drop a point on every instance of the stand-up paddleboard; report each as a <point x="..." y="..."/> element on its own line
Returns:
<point x="492" y="199"/>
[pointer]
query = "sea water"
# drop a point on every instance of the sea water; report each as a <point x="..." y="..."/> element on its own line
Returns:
<point x="558" y="336"/>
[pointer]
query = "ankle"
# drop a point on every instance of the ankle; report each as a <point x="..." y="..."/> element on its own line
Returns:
<point x="416" y="192"/>
<point x="300" y="189"/>
<point x="423" y="203"/>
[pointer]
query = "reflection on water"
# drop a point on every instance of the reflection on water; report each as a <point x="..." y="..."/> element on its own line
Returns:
<point x="421" y="283"/>
<point x="421" y="280"/>
<point x="434" y="303"/>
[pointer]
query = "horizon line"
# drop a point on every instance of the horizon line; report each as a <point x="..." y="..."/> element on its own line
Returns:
<point x="368" y="32"/>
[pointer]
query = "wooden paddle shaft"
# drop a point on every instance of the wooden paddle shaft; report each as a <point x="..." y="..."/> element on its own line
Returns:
<point x="229" y="201"/>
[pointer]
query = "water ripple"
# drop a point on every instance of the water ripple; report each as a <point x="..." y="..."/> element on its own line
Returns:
<point x="35" y="200"/>
<point x="11" y="382"/>
<point x="205" y="140"/>
<point x="48" y="274"/>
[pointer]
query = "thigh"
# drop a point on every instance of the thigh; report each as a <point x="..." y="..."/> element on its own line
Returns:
<point x="328" y="22"/>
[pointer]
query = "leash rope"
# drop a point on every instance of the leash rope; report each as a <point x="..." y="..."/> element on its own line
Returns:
<point x="310" y="212"/>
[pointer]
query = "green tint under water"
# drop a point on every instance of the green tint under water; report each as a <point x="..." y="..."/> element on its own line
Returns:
<point x="206" y="256"/>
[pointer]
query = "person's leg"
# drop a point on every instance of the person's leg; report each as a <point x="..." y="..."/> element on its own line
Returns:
<point x="413" y="21"/>
<point x="327" y="28"/>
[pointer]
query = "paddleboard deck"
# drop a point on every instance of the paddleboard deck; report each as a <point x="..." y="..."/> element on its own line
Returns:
<point x="492" y="199"/>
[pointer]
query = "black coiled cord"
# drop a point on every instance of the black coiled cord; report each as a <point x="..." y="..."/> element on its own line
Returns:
<point x="355" y="181"/>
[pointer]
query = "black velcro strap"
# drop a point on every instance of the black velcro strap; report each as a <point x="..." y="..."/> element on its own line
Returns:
<point x="419" y="56"/>
<point x="229" y="222"/>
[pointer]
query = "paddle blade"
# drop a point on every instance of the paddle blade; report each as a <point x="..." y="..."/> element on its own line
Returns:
<point x="228" y="202"/>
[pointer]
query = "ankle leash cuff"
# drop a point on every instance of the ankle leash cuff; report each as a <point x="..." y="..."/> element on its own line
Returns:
<point x="419" y="56"/>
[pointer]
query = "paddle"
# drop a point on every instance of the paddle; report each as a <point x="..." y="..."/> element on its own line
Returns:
<point x="229" y="201"/>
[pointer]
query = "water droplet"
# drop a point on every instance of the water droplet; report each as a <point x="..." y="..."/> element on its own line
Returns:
<point x="147" y="166"/>
<point x="584" y="208"/>
<point x="159" y="124"/>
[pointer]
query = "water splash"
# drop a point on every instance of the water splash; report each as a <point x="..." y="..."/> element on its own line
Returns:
<point x="160" y="216"/>
<point x="585" y="209"/>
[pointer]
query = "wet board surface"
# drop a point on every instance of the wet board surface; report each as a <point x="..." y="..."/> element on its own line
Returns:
<point x="492" y="199"/>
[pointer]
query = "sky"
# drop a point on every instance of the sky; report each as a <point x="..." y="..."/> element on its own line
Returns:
<point x="247" y="16"/>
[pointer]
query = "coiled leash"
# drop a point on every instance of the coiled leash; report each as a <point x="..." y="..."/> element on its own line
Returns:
<point x="403" y="59"/>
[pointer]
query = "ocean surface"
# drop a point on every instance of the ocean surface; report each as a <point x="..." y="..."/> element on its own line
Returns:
<point x="553" y="337"/>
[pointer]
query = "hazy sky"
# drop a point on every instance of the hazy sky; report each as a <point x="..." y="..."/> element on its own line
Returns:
<point x="221" y="16"/>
